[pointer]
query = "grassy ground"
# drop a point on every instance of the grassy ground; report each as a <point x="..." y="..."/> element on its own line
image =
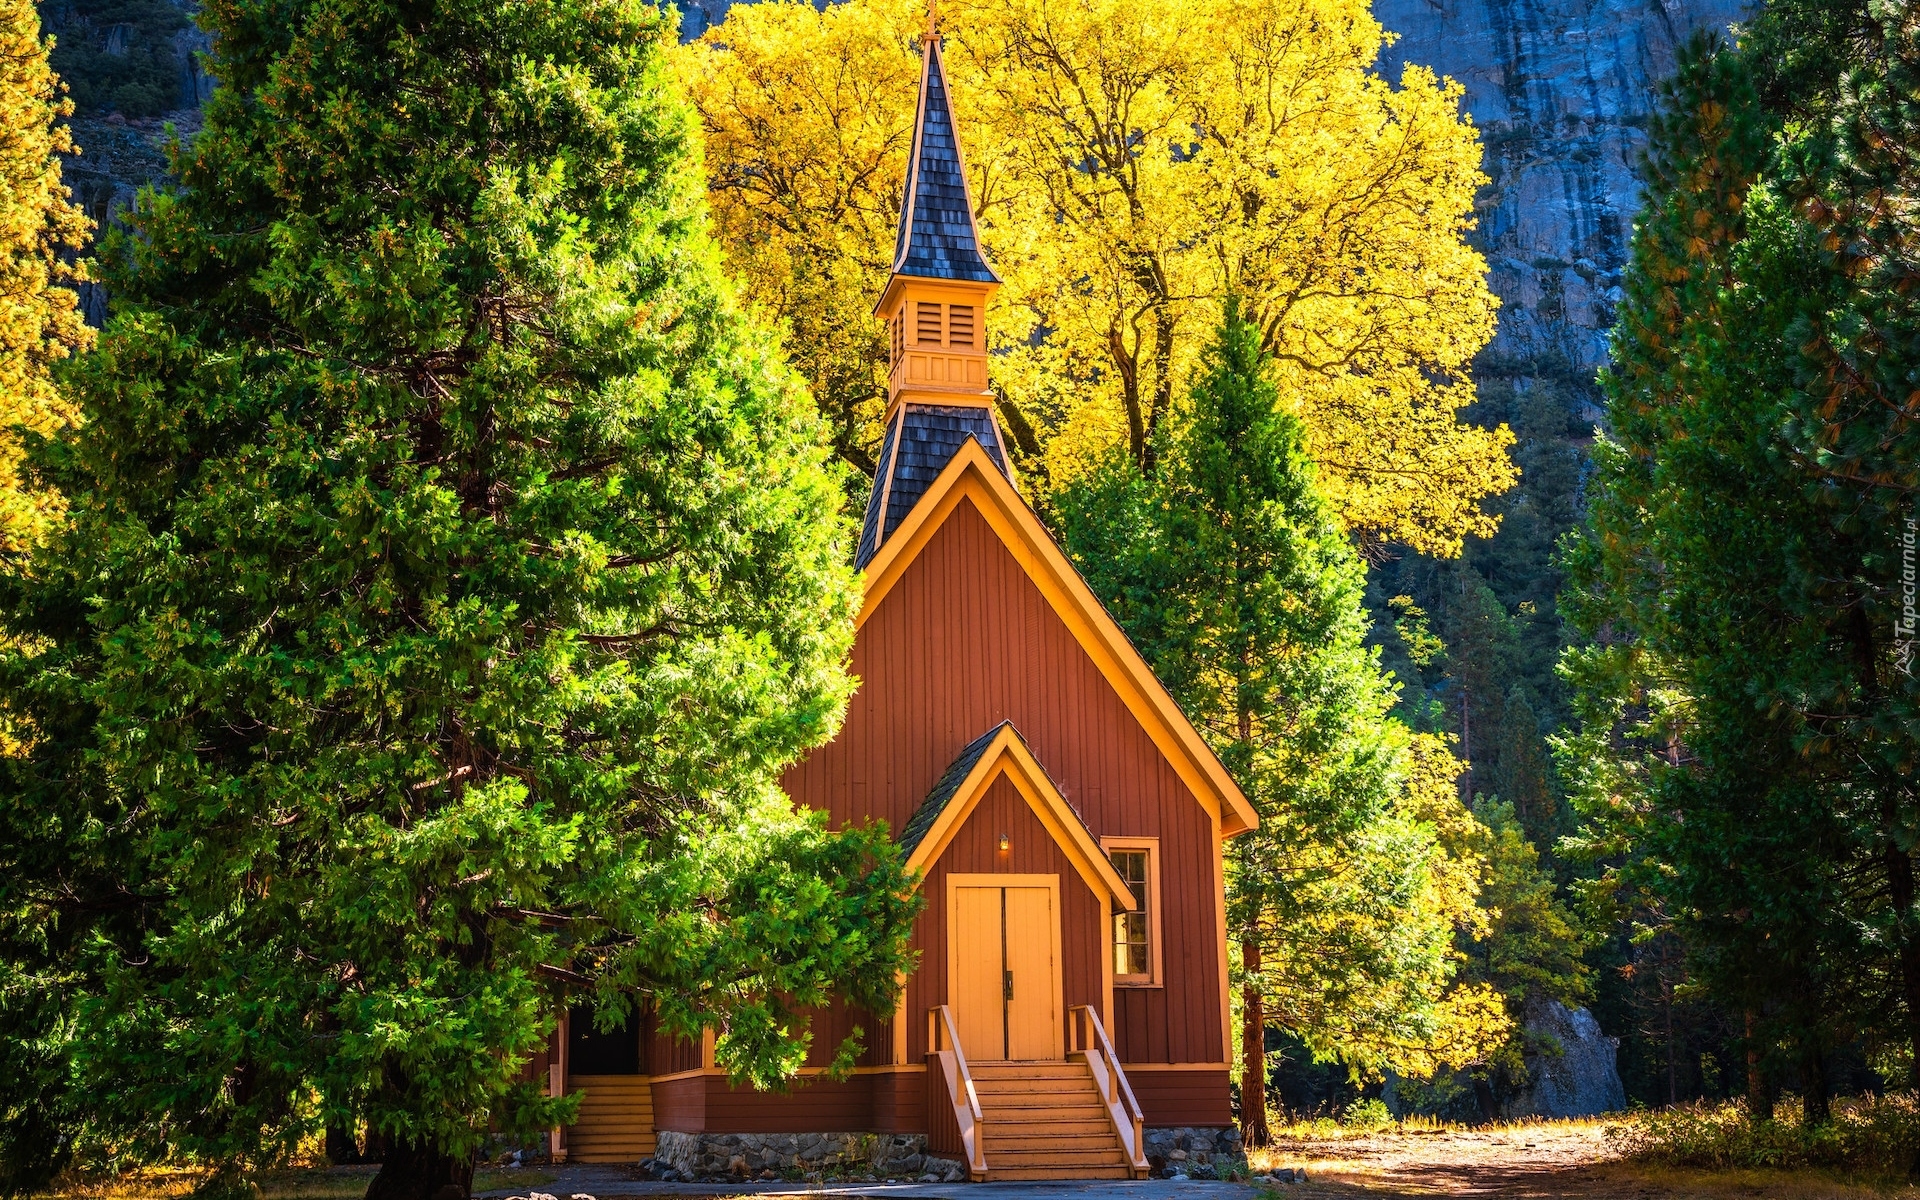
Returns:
<point x="1573" y="1160"/>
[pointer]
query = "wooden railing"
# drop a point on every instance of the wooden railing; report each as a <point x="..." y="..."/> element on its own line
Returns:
<point x="1085" y="1035"/>
<point x="953" y="1109"/>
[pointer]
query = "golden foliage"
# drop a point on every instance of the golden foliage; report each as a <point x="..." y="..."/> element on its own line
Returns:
<point x="39" y="318"/>
<point x="806" y="154"/>
<point x="1133" y="161"/>
<point x="1373" y="974"/>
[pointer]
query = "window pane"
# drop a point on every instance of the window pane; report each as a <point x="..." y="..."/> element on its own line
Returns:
<point x="1130" y="948"/>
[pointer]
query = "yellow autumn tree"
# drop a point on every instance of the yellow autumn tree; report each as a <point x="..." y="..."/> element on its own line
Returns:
<point x="39" y="318"/>
<point x="806" y="155"/>
<point x="1133" y="161"/>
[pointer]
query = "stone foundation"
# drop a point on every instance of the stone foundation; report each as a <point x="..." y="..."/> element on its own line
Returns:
<point x="722" y="1156"/>
<point x="1195" y="1153"/>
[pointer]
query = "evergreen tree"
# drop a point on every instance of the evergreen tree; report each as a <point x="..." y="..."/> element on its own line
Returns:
<point x="39" y="320"/>
<point x="1520" y="775"/>
<point x="1232" y="575"/>
<point x="1714" y="584"/>
<point x="449" y="571"/>
<point x="1852" y="432"/>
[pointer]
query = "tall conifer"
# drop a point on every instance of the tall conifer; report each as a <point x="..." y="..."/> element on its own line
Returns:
<point x="450" y="570"/>
<point x="1707" y="581"/>
<point x="1232" y="575"/>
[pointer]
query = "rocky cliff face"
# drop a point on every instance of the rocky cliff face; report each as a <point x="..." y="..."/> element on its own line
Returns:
<point x="1561" y="91"/>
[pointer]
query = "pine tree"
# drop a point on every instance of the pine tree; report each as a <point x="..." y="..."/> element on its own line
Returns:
<point x="449" y="571"/>
<point x="1705" y="582"/>
<point x="1232" y="575"/>
<point x="39" y="319"/>
<point x="1853" y="433"/>
<point x="1520" y="775"/>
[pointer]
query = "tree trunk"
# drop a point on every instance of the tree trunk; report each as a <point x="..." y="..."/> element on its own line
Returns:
<point x="1673" y="1081"/>
<point x="1162" y="383"/>
<point x="343" y="1149"/>
<point x="1900" y="885"/>
<point x="417" y="1171"/>
<point x="1253" y="1055"/>
<point x="1814" y="1109"/>
<point x="1759" y="1092"/>
<point x="1483" y="1098"/>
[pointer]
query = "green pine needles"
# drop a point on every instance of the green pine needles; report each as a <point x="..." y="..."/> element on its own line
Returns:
<point x="450" y="571"/>
<point x="1747" y="762"/>
<point x="1231" y="574"/>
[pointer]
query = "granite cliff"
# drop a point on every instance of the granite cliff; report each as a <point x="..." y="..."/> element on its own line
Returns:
<point x="1561" y="91"/>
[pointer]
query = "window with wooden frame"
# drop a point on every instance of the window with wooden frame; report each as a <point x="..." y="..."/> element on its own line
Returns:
<point x="899" y="335"/>
<point x="926" y="323"/>
<point x="1136" y="935"/>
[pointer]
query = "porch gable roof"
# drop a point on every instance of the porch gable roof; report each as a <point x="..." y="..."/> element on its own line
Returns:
<point x="997" y="752"/>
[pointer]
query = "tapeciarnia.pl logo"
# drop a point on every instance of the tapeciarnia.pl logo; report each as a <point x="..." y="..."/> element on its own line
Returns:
<point x="1903" y="629"/>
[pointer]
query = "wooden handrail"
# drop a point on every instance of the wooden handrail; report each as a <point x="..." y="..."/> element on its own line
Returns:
<point x="1115" y="1092"/>
<point x="960" y="1089"/>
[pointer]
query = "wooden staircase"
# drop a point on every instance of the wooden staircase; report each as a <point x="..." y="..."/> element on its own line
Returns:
<point x="615" y="1124"/>
<point x="1046" y="1120"/>
<point x="1067" y="1119"/>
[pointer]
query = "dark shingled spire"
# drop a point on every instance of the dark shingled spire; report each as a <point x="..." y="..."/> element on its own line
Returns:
<point x="919" y="444"/>
<point x="937" y="239"/>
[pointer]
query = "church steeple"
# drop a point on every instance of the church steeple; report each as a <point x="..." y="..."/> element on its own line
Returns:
<point x="935" y="302"/>
<point x="935" y="307"/>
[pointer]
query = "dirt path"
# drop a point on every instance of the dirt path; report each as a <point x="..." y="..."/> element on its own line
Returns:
<point x="1560" y="1161"/>
<point x="1533" y="1160"/>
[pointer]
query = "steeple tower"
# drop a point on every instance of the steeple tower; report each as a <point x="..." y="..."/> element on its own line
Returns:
<point x="935" y="307"/>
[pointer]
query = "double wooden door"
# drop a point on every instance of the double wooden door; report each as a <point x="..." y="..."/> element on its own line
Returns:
<point x="1005" y="964"/>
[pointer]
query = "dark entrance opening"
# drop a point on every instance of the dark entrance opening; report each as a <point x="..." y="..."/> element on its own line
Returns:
<point x="590" y="1051"/>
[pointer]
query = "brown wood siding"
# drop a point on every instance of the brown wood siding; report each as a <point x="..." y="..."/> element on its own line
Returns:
<point x="975" y="849"/>
<point x="1180" y="1098"/>
<point x="900" y="1102"/>
<point x="834" y="1024"/>
<point x="819" y="1106"/>
<point x="963" y="641"/>
<point x="681" y="1104"/>
<point x="668" y="1055"/>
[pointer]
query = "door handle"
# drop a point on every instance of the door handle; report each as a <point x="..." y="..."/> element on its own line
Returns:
<point x="1007" y="986"/>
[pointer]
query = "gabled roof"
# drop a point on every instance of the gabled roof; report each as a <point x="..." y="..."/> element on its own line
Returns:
<point x="972" y="476"/>
<point x="997" y="752"/>
<point x="937" y="239"/>
<point x="920" y="440"/>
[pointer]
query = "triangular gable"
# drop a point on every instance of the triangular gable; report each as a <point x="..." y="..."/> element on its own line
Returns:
<point x="971" y="476"/>
<point x="997" y="752"/>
